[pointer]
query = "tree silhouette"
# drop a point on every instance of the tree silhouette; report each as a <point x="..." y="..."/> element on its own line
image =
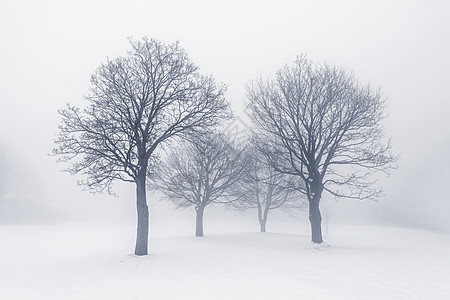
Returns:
<point x="202" y="172"/>
<point x="318" y="123"/>
<point x="136" y="104"/>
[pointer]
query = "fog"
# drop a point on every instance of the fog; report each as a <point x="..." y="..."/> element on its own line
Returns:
<point x="49" y="49"/>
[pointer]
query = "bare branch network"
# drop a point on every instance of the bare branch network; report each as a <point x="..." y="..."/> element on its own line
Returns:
<point x="315" y="129"/>
<point x="136" y="103"/>
<point x="318" y="123"/>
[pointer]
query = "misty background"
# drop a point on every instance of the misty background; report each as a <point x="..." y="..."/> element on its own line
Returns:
<point x="49" y="49"/>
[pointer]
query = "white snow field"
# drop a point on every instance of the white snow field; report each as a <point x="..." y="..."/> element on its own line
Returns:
<point x="94" y="261"/>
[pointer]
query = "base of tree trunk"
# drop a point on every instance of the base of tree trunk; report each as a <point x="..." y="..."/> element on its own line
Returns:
<point x="316" y="231"/>
<point x="263" y="227"/>
<point x="315" y="219"/>
<point x="142" y="232"/>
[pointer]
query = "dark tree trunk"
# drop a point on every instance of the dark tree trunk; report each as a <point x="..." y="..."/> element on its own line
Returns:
<point x="199" y="221"/>
<point x="262" y="224"/>
<point x="316" y="221"/>
<point x="142" y="218"/>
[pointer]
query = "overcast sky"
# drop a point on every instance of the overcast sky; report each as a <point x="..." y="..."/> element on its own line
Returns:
<point x="50" y="48"/>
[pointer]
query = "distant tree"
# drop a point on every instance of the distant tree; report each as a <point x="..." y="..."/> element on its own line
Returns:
<point x="201" y="172"/>
<point x="136" y="104"/>
<point x="3" y="175"/>
<point x="319" y="124"/>
<point x="7" y="176"/>
<point x="265" y="189"/>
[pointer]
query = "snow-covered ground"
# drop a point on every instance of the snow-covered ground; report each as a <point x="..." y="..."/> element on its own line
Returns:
<point x="94" y="261"/>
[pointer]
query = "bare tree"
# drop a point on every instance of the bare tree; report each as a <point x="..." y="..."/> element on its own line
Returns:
<point x="202" y="172"/>
<point x="4" y="174"/>
<point x="316" y="122"/>
<point x="265" y="189"/>
<point x="137" y="103"/>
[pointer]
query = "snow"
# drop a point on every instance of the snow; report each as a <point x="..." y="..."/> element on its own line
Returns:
<point x="94" y="261"/>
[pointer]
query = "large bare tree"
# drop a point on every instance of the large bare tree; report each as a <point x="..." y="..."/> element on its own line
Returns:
<point x="318" y="123"/>
<point x="137" y="103"/>
<point x="202" y="172"/>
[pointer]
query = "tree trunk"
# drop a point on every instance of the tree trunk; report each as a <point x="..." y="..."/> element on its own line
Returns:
<point x="262" y="224"/>
<point x="199" y="221"/>
<point x="315" y="219"/>
<point x="142" y="218"/>
<point x="262" y="218"/>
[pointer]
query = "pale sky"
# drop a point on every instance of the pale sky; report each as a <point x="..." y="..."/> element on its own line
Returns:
<point x="50" y="48"/>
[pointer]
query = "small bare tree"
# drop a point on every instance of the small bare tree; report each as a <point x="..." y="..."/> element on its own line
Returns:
<point x="317" y="123"/>
<point x="136" y="104"/>
<point x="265" y="189"/>
<point x="4" y="174"/>
<point x="201" y="172"/>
